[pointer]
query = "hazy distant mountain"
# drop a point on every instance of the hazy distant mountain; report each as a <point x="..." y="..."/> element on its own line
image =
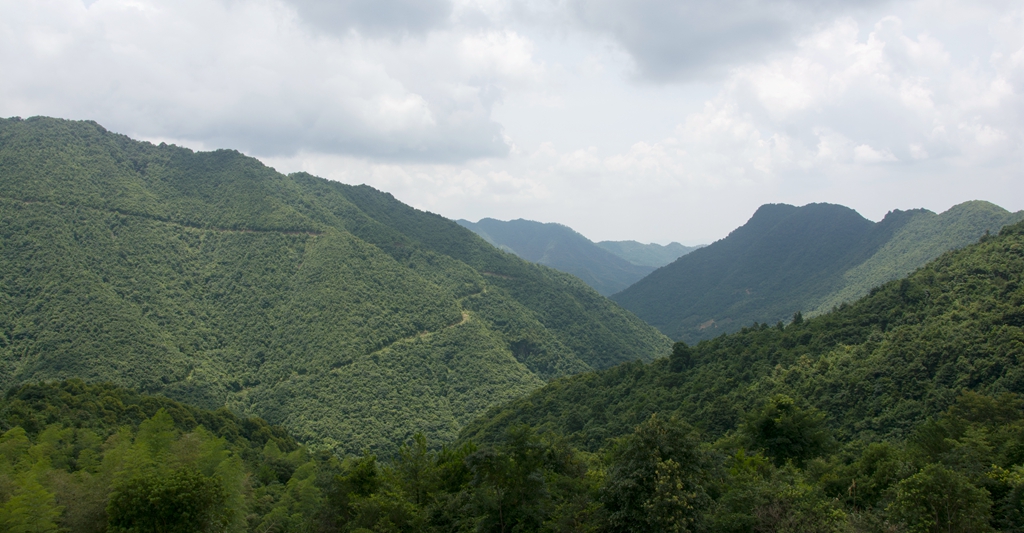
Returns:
<point x="652" y="255"/>
<point x="337" y="311"/>
<point x="787" y="259"/>
<point x="561" y="248"/>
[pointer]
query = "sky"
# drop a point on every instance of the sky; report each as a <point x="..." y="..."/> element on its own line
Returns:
<point x="649" y="120"/>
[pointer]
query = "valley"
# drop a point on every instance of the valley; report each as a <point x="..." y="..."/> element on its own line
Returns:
<point x="192" y="341"/>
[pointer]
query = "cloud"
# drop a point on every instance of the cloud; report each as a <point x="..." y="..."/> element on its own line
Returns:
<point x="375" y="17"/>
<point x="867" y="115"/>
<point x="673" y="40"/>
<point x="253" y="76"/>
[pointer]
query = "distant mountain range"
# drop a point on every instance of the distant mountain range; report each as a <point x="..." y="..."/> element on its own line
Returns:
<point x="787" y="259"/>
<point x="607" y="266"/>
<point x="334" y="310"/>
<point x="876" y="368"/>
<point x="652" y="255"/>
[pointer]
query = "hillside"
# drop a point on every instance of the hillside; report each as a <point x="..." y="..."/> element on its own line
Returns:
<point x="901" y="412"/>
<point x="926" y="236"/>
<point x="561" y="248"/>
<point x="336" y="311"/>
<point x="787" y="259"/>
<point x="652" y="255"/>
<point x="876" y="369"/>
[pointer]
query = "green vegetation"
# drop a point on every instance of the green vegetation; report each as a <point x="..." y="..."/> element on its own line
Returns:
<point x="148" y="464"/>
<point x="924" y="237"/>
<point x="788" y="259"/>
<point x="336" y="311"/>
<point x="651" y="255"/>
<point x="93" y="458"/>
<point x="902" y="412"/>
<point x="563" y="249"/>
<point x="877" y="367"/>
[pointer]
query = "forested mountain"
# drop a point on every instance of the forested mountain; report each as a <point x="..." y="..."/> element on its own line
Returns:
<point x="900" y="413"/>
<point x="561" y="248"/>
<point x="652" y="255"/>
<point x="876" y="367"/>
<point x="334" y="310"/>
<point x="787" y="259"/>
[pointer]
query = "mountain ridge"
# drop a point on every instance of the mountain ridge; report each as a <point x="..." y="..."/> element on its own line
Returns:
<point x="607" y="268"/>
<point x="877" y="367"/>
<point x="333" y="310"/>
<point x="787" y="259"/>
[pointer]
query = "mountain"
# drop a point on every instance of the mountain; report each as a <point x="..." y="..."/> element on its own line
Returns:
<point x="336" y="311"/>
<point x="652" y="255"/>
<point x="561" y="248"/>
<point x="787" y="259"/>
<point x="924" y="237"/>
<point x="900" y="412"/>
<point x="876" y="369"/>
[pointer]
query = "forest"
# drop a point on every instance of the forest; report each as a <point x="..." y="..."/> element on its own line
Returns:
<point x="336" y="311"/>
<point x="900" y="412"/>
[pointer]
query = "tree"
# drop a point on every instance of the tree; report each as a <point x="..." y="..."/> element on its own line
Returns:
<point x="786" y="432"/>
<point x="938" y="499"/>
<point x="32" y="508"/>
<point x="509" y="483"/>
<point x="681" y="358"/>
<point x="180" y="501"/>
<point x="656" y="480"/>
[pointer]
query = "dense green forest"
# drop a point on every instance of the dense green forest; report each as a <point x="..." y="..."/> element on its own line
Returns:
<point x="95" y="458"/>
<point x="336" y="311"/>
<point x="902" y="412"/>
<point x="561" y="248"/>
<point x="808" y="259"/>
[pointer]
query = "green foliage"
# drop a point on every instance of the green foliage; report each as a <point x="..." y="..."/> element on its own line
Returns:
<point x="510" y="489"/>
<point x="785" y="432"/>
<point x="923" y="238"/>
<point x="657" y="479"/>
<point x="900" y="412"/>
<point x="938" y="499"/>
<point x="31" y="508"/>
<point x="348" y="317"/>
<point x="876" y="369"/>
<point x="180" y="501"/>
<point x="164" y="472"/>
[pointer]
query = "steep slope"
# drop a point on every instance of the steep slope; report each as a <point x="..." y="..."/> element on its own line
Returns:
<point x="765" y="270"/>
<point x="876" y="368"/>
<point x="561" y="248"/>
<point x="652" y="255"/>
<point x="925" y="237"/>
<point x="787" y="259"/>
<point x="333" y="310"/>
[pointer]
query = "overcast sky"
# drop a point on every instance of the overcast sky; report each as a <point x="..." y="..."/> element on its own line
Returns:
<point x="651" y="120"/>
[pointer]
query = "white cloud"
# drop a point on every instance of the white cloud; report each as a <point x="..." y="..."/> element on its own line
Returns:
<point x="865" y="154"/>
<point x="252" y="75"/>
